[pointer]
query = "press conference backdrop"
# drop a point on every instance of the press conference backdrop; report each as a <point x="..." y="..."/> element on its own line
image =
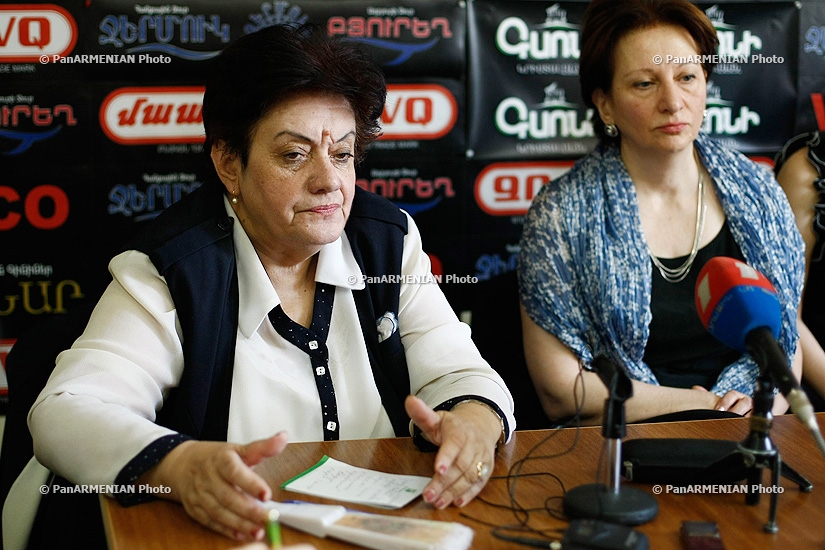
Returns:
<point x="100" y="121"/>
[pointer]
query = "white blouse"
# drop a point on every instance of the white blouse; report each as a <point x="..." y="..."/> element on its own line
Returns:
<point x="98" y="409"/>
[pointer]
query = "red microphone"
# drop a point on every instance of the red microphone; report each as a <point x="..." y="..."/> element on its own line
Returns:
<point x="739" y="306"/>
<point x="733" y="300"/>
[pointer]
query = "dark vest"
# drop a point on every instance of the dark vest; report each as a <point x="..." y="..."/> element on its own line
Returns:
<point x="191" y="246"/>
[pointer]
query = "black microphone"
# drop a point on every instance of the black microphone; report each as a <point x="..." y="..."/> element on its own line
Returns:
<point x="611" y="502"/>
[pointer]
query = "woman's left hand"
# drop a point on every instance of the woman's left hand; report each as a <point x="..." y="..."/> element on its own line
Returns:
<point x="467" y="437"/>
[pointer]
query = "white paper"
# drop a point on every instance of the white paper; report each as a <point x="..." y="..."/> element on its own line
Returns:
<point x="338" y="480"/>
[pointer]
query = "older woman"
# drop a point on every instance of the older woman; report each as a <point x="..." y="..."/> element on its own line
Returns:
<point x="611" y="250"/>
<point x="247" y="315"/>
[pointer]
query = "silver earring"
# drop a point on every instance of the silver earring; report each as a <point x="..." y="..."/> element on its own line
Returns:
<point x="705" y="113"/>
<point x="234" y="199"/>
<point x="611" y="130"/>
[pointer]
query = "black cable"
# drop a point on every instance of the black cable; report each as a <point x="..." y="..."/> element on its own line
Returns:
<point x="523" y="514"/>
<point x="538" y="543"/>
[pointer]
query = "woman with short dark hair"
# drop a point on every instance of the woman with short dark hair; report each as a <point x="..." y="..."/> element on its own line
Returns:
<point x="278" y="299"/>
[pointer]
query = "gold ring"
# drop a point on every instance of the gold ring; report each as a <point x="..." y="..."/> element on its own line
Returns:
<point x="482" y="469"/>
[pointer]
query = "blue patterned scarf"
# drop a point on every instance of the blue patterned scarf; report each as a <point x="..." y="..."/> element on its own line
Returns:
<point x="584" y="270"/>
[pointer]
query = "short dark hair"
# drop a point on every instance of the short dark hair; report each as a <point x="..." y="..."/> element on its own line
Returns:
<point x="258" y="70"/>
<point x="606" y="22"/>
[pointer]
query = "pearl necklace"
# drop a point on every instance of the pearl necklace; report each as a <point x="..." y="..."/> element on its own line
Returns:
<point x="674" y="275"/>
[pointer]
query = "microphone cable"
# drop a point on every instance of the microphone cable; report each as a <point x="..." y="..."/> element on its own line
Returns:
<point x="521" y="531"/>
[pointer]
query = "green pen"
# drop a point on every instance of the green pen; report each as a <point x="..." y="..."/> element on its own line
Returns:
<point x="273" y="528"/>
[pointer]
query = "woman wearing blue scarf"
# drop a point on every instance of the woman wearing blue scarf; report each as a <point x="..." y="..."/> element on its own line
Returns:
<point x="611" y="250"/>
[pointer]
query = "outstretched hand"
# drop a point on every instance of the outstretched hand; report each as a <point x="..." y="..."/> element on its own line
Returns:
<point x="216" y="485"/>
<point x="466" y="437"/>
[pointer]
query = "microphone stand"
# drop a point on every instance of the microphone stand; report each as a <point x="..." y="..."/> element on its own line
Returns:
<point x="757" y="452"/>
<point x="612" y="502"/>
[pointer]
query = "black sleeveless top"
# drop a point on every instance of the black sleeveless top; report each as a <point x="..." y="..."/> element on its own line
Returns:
<point x="679" y="351"/>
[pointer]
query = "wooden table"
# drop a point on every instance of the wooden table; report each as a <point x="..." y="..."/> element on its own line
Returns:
<point x="570" y="455"/>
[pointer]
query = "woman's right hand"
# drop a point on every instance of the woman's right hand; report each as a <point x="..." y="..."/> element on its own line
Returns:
<point x="216" y="485"/>
<point x="733" y="401"/>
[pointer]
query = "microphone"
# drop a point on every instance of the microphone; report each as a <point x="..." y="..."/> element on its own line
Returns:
<point x="738" y="305"/>
<point x="611" y="502"/>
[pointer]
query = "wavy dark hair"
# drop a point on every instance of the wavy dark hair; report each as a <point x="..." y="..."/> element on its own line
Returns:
<point x="258" y="70"/>
<point x="606" y="22"/>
